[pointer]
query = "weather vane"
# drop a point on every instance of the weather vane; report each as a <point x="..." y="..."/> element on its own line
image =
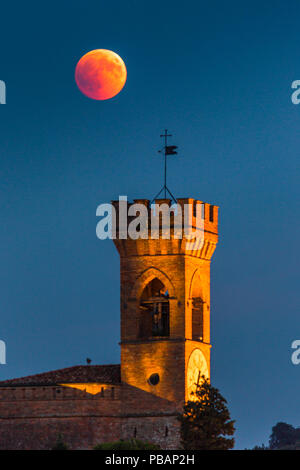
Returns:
<point x="167" y="150"/>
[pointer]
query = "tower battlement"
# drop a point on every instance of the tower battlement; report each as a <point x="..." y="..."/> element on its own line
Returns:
<point x="58" y="393"/>
<point x="209" y="212"/>
<point x="191" y="225"/>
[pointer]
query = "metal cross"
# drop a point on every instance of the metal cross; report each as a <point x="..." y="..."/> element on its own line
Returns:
<point x="168" y="150"/>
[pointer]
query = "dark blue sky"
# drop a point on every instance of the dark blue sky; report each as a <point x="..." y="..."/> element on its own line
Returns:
<point x="218" y="76"/>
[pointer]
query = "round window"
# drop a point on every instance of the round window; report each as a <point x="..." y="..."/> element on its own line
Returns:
<point x="153" y="379"/>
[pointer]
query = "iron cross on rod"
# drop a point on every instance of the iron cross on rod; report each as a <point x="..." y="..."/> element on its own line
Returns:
<point x="165" y="135"/>
<point x="168" y="150"/>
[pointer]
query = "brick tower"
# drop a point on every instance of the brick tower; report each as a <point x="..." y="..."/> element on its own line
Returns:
<point x="165" y="316"/>
<point x="165" y="343"/>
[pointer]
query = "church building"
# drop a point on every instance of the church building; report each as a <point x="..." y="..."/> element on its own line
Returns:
<point x="165" y="348"/>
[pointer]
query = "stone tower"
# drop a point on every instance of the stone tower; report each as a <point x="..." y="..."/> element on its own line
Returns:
<point x="165" y="341"/>
<point x="165" y="308"/>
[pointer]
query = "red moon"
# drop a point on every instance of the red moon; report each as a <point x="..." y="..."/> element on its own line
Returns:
<point x="100" y="74"/>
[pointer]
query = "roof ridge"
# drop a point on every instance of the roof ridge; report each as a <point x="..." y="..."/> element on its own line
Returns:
<point x="51" y="374"/>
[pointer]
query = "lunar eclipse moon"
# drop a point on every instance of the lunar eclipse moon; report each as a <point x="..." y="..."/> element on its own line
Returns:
<point x="100" y="74"/>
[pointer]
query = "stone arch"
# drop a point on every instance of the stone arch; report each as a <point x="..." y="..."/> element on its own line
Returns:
<point x="147" y="276"/>
<point x="152" y="294"/>
<point x="197" y="306"/>
<point x="154" y="311"/>
<point x="196" y="289"/>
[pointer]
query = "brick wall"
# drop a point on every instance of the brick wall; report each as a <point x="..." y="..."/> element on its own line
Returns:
<point x="32" y="417"/>
<point x="161" y="430"/>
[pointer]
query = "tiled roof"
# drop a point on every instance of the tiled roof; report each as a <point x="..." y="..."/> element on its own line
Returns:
<point x="109" y="374"/>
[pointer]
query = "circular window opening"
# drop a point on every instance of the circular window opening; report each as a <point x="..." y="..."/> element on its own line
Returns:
<point x="153" y="379"/>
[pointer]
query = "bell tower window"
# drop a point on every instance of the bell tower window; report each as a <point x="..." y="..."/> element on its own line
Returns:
<point x="154" y="310"/>
<point x="197" y="319"/>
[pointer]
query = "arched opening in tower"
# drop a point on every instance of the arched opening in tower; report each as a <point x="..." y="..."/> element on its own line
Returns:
<point x="154" y="310"/>
<point x="197" y="319"/>
<point x="197" y="310"/>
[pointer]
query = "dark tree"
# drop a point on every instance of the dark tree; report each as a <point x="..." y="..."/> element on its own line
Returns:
<point x="206" y="422"/>
<point x="284" y="436"/>
<point x="262" y="447"/>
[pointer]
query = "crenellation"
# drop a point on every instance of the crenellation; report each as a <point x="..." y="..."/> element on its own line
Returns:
<point x="169" y="228"/>
<point x="50" y="393"/>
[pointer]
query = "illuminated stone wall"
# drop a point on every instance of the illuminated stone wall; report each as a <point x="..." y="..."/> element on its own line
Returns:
<point x="33" y="417"/>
